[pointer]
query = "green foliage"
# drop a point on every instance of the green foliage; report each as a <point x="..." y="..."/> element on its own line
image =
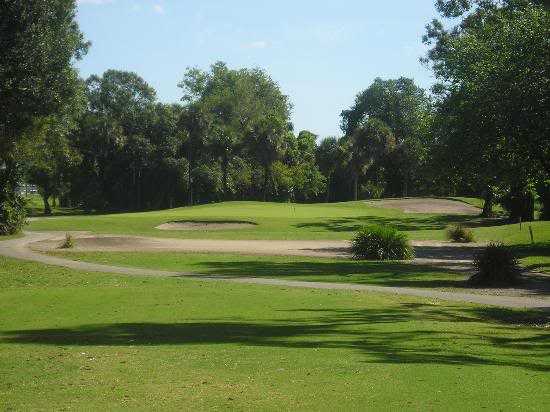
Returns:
<point x="406" y="109"/>
<point x="369" y="143"/>
<point x="12" y="214"/>
<point x="39" y="39"/>
<point x="543" y="190"/>
<point x="496" y="265"/>
<point x="381" y="242"/>
<point x="493" y="118"/>
<point x="460" y="234"/>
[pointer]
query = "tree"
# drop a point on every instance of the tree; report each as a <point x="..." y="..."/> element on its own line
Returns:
<point x="265" y="139"/>
<point x="114" y="138"/>
<point x="493" y="66"/>
<point x="39" y="40"/>
<point x="329" y="158"/>
<point x="370" y="141"/>
<point x="194" y="127"/>
<point x="406" y="110"/>
<point x="238" y="108"/>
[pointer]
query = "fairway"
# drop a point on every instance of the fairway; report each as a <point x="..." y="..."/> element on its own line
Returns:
<point x="275" y="206"/>
<point x="289" y="221"/>
<point x="170" y="343"/>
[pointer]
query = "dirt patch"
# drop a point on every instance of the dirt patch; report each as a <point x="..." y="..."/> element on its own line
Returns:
<point x="427" y="205"/>
<point x="196" y="225"/>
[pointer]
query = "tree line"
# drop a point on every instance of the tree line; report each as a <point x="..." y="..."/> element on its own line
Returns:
<point x="106" y="143"/>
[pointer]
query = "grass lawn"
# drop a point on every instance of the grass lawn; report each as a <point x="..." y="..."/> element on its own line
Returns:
<point x="292" y="268"/>
<point x="286" y="221"/>
<point x="275" y="221"/>
<point x="316" y="221"/>
<point x="70" y="339"/>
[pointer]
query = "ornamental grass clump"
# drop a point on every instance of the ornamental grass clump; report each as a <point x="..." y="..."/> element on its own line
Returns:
<point x="379" y="242"/>
<point x="68" y="243"/>
<point x="495" y="265"/>
<point x="460" y="234"/>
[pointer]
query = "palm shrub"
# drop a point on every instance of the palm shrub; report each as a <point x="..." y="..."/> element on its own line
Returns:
<point x="495" y="265"/>
<point x="68" y="243"/>
<point x="379" y="242"/>
<point x="460" y="234"/>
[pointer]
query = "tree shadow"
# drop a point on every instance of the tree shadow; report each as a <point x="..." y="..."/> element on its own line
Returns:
<point x="406" y="333"/>
<point x="359" y="272"/>
<point x="413" y="223"/>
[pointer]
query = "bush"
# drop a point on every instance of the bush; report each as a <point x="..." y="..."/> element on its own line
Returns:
<point x="68" y="243"/>
<point x="13" y="214"/>
<point x="460" y="234"/>
<point x="495" y="265"/>
<point x="381" y="243"/>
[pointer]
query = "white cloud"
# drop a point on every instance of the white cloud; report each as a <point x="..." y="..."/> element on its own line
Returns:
<point x="259" y="44"/>
<point x="158" y="9"/>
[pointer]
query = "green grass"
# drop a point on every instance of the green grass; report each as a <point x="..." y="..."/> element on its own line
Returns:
<point x="477" y="202"/>
<point x="292" y="268"/>
<point x="316" y="221"/>
<point x="275" y="221"/>
<point x="73" y="340"/>
<point x="35" y="207"/>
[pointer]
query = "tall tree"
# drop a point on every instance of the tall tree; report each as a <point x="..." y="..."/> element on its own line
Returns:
<point x="406" y="109"/>
<point x="39" y="41"/>
<point x="493" y="67"/>
<point x="371" y="140"/>
<point x="329" y="158"/>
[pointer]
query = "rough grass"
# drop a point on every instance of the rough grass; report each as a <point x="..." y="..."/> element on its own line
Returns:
<point x="69" y="340"/>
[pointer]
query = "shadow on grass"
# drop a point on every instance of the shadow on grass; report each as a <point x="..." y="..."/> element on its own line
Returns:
<point x="407" y="333"/>
<point x="378" y="273"/>
<point x="436" y="222"/>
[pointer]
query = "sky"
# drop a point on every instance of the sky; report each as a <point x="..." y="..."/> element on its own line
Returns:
<point x="321" y="53"/>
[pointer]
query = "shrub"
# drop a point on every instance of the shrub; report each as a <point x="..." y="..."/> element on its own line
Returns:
<point x="381" y="243"/>
<point x="12" y="215"/>
<point x="68" y="243"/>
<point x="495" y="265"/>
<point x="460" y="234"/>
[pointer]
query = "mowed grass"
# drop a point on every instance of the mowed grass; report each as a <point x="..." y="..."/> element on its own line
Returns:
<point x="291" y="268"/>
<point x="274" y="221"/>
<point x="293" y="221"/>
<point x="71" y="339"/>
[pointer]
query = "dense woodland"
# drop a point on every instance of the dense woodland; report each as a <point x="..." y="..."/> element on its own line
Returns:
<point x="106" y="143"/>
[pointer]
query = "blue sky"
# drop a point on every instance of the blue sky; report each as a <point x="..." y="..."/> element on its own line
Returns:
<point x="322" y="53"/>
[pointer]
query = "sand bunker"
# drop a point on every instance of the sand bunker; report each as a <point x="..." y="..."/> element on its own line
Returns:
<point x="427" y="205"/>
<point x="106" y="243"/>
<point x="195" y="225"/>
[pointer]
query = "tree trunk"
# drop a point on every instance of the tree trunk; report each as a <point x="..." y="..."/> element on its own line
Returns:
<point x="47" y="208"/>
<point x="329" y="179"/>
<point x="225" y="177"/>
<point x="190" y="181"/>
<point x="488" y="204"/>
<point x="266" y="182"/>
<point x="355" y="186"/>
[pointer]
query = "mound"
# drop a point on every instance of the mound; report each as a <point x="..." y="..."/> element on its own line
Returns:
<point x="427" y="205"/>
<point x="205" y="225"/>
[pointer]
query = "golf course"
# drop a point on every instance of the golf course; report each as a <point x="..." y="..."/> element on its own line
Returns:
<point x="199" y="331"/>
<point x="274" y="206"/>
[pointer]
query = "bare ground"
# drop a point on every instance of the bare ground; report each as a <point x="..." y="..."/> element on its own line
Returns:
<point x="427" y="205"/>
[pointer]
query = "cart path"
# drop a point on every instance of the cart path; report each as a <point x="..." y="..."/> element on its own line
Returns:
<point x="20" y="249"/>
